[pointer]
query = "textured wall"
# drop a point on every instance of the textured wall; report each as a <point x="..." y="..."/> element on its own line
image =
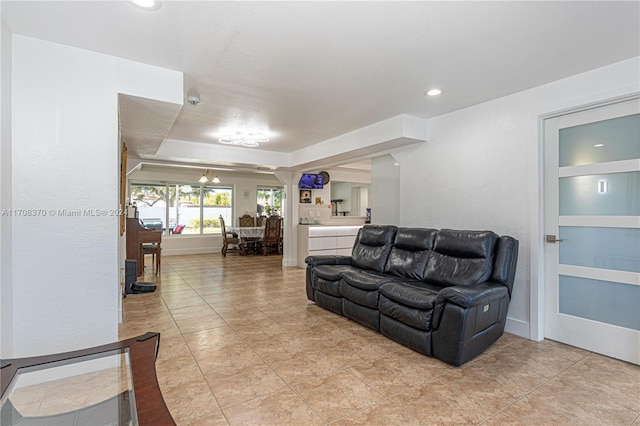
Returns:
<point x="480" y="170"/>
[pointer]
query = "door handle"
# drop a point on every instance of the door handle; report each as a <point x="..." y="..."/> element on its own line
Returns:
<point x="552" y="239"/>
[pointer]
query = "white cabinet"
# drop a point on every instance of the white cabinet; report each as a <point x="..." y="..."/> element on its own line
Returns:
<point x="322" y="240"/>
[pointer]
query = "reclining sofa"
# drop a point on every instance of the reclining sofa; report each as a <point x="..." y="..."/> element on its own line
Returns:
<point x="443" y="293"/>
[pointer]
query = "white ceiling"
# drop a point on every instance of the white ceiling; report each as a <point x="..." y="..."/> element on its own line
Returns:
<point x="307" y="72"/>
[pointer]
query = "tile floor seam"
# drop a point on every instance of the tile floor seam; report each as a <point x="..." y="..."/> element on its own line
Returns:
<point x="272" y="393"/>
<point x="532" y="390"/>
<point x="314" y="379"/>
<point x="201" y="372"/>
<point x="367" y="408"/>
<point x="308" y="405"/>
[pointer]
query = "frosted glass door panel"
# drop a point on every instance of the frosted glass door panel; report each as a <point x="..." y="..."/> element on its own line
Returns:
<point x="615" y="194"/>
<point x="606" y="248"/>
<point x="602" y="141"/>
<point x="603" y="301"/>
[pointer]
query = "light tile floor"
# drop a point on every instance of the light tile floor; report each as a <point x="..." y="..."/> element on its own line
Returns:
<point x="241" y="344"/>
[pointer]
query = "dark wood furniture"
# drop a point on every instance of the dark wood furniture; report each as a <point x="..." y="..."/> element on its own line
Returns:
<point x="272" y="234"/>
<point x="141" y="353"/>
<point x="246" y="220"/>
<point x="137" y="235"/>
<point x="248" y="244"/>
<point x="230" y="243"/>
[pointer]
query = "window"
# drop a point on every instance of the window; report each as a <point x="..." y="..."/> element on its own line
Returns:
<point x="269" y="201"/>
<point x="151" y="201"/>
<point x="216" y="203"/>
<point x="189" y="209"/>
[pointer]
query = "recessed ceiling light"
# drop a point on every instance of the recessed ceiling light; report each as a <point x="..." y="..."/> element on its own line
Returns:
<point x="598" y="145"/>
<point x="146" y="4"/>
<point x="433" y="92"/>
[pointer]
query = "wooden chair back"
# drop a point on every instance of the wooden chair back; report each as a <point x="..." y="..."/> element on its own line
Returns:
<point x="272" y="231"/>
<point x="246" y="220"/>
<point x="260" y="220"/>
<point x="230" y="243"/>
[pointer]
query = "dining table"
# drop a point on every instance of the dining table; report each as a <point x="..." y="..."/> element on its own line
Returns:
<point x="248" y="236"/>
<point x="247" y="232"/>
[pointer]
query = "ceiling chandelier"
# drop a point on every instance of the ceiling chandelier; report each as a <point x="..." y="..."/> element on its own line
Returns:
<point x="245" y="139"/>
<point x="205" y="178"/>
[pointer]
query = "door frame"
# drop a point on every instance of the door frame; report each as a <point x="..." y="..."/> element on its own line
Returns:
<point x="537" y="258"/>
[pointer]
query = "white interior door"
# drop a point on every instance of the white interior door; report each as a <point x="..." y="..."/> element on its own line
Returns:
<point x="592" y="227"/>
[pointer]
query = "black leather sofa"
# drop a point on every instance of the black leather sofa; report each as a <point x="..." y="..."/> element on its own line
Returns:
<point x="444" y="293"/>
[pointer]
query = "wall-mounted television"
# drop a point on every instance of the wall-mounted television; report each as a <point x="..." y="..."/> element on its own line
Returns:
<point x="310" y="181"/>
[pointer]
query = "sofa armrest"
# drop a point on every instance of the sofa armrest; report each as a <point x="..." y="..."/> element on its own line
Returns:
<point x="467" y="297"/>
<point x="328" y="260"/>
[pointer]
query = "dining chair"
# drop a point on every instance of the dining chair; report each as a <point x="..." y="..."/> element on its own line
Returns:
<point x="260" y="220"/>
<point x="230" y="243"/>
<point x="246" y="220"/>
<point x="154" y="249"/>
<point x="248" y="244"/>
<point x="271" y="238"/>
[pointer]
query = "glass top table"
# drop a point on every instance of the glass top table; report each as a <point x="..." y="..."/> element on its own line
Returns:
<point x="112" y="384"/>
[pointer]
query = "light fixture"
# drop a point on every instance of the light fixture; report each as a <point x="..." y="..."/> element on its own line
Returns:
<point x="215" y="180"/>
<point x="603" y="186"/>
<point x="205" y="177"/>
<point x="245" y="139"/>
<point x="433" y="92"/>
<point x="598" y="145"/>
<point x="146" y="4"/>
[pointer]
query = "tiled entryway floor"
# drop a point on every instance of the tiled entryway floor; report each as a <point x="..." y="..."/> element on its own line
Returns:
<point x="241" y="344"/>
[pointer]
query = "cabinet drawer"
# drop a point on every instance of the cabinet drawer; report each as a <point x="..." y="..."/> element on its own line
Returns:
<point x="321" y="243"/>
<point x="348" y="230"/>
<point x="322" y="231"/>
<point x="321" y="252"/>
<point x="345" y="242"/>
<point x="344" y="251"/>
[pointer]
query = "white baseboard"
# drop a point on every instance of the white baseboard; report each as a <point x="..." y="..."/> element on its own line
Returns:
<point x="289" y="262"/>
<point x="517" y="327"/>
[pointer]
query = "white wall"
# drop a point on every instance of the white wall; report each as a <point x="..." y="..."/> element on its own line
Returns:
<point x="480" y="170"/>
<point x="6" y="308"/>
<point x="65" y="147"/>
<point x="384" y="198"/>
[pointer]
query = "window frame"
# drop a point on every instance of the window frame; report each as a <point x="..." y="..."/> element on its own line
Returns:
<point x="272" y="189"/>
<point x="175" y="186"/>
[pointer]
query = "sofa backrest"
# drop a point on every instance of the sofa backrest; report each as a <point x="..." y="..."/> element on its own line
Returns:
<point x="461" y="257"/>
<point x="410" y="252"/>
<point x="372" y="246"/>
<point x="504" y="262"/>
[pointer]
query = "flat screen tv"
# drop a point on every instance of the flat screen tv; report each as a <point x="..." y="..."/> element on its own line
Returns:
<point x="310" y="181"/>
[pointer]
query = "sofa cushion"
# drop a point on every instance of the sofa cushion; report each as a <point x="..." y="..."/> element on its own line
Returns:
<point x="365" y="280"/>
<point x="327" y="287"/>
<point x="372" y="246"/>
<point x="416" y="318"/>
<point x="368" y="298"/>
<point x="333" y="272"/>
<point x="416" y="294"/>
<point x="327" y="278"/>
<point x="461" y="257"/>
<point x="410" y="252"/>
